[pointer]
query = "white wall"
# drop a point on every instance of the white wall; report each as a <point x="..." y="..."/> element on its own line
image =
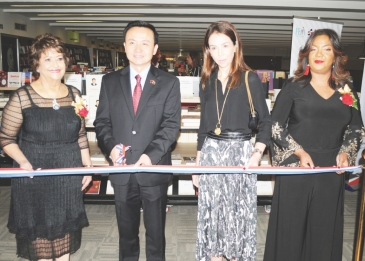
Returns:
<point x="35" y="28"/>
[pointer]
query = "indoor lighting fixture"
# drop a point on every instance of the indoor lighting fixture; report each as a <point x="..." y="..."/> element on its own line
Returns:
<point x="362" y="56"/>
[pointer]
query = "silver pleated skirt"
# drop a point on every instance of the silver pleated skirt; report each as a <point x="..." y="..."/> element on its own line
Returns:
<point x="227" y="204"/>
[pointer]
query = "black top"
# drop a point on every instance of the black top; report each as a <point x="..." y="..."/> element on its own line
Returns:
<point x="322" y="127"/>
<point x="196" y="71"/>
<point x="236" y="111"/>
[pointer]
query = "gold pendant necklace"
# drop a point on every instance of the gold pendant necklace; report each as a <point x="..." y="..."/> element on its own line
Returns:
<point x="218" y="126"/>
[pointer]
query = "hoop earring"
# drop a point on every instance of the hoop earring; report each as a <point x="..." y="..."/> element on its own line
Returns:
<point x="307" y="70"/>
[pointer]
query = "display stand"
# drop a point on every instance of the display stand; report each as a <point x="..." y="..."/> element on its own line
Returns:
<point x="359" y="241"/>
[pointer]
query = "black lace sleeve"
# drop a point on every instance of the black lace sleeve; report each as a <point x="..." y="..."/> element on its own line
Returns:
<point x="12" y="120"/>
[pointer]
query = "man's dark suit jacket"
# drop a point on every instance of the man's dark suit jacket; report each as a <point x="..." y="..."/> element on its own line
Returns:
<point x="151" y="131"/>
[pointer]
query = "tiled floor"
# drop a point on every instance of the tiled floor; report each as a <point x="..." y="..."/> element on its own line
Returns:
<point x="100" y="239"/>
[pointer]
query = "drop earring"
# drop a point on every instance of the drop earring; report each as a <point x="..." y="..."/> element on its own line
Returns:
<point x="307" y="69"/>
<point x="333" y="74"/>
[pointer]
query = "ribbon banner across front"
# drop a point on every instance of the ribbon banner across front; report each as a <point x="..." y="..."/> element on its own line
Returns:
<point x="17" y="173"/>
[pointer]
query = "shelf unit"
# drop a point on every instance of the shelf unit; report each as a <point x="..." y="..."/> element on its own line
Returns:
<point x="78" y="54"/>
<point x="103" y="58"/>
<point x="24" y="49"/>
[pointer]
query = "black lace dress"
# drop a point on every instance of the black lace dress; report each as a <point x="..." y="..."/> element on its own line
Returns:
<point x="46" y="213"/>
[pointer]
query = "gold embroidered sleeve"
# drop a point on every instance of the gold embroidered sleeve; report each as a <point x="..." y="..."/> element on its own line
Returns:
<point x="352" y="139"/>
<point x="283" y="145"/>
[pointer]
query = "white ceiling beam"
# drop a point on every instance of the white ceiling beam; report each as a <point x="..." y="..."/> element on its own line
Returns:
<point x="277" y="3"/>
<point x="213" y="12"/>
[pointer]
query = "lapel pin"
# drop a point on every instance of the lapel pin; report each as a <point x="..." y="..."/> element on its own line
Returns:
<point x="152" y="82"/>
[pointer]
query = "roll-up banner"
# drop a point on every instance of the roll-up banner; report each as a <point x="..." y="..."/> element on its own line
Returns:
<point x="302" y="29"/>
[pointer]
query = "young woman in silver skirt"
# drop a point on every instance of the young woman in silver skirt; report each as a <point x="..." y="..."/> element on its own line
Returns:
<point x="227" y="202"/>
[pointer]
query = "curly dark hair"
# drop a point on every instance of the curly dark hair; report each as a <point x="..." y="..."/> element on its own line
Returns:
<point x="340" y="75"/>
<point x="42" y="43"/>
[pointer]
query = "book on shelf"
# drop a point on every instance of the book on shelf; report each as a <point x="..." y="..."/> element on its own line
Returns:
<point x="14" y="79"/>
<point x="266" y="76"/>
<point x="176" y="159"/>
<point x="189" y="161"/>
<point x="109" y="188"/>
<point x="97" y="156"/>
<point x="194" y="111"/>
<point x="94" y="188"/>
<point x="280" y="74"/>
<point x="190" y="118"/>
<point x="187" y="136"/>
<point x="265" y="161"/>
<point x="191" y="124"/>
<point x="186" y="187"/>
<point x="91" y="136"/>
<point x="190" y="110"/>
<point x="3" y="79"/>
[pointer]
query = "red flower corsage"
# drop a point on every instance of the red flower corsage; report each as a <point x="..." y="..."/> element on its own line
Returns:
<point x="80" y="108"/>
<point x="348" y="97"/>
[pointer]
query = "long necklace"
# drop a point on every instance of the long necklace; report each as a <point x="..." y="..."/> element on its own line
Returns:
<point x="218" y="126"/>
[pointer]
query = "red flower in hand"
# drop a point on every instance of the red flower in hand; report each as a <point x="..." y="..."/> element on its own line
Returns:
<point x="83" y="112"/>
<point x="347" y="99"/>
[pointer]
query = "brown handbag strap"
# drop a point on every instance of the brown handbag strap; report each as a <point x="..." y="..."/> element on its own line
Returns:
<point x="249" y="94"/>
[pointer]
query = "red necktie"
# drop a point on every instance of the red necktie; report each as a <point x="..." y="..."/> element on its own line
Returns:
<point x="137" y="93"/>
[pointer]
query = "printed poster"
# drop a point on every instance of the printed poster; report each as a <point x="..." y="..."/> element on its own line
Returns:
<point x="302" y="29"/>
<point x="93" y="85"/>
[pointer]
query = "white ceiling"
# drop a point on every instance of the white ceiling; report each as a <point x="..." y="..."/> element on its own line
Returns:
<point x="182" y="24"/>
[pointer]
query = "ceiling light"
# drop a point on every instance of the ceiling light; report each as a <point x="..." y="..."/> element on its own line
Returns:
<point x="83" y="21"/>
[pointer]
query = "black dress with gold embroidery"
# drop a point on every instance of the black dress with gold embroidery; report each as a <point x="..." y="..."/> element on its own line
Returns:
<point x="322" y="127"/>
<point x="306" y="220"/>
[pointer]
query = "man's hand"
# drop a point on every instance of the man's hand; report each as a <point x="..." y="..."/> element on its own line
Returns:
<point x="144" y="160"/>
<point x="114" y="155"/>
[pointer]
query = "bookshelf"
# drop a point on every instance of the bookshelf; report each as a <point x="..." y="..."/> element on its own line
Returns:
<point x="122" y="60"/>
<point x="24" y="49"/>
<point x="103" y="58"/>
<point x="78" y="54"/>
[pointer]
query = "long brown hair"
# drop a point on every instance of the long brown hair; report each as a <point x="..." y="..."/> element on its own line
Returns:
<point x="238" y="64"/>
<point x="339" y="75"/>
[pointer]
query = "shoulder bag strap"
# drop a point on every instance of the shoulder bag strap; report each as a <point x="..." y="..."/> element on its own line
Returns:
<point x="249" y="94"/>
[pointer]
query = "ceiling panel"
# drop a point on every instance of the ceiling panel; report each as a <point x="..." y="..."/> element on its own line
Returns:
<point x="182" y="26"/>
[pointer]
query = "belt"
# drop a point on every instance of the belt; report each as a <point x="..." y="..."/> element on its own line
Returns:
<point x="229" y="136"/>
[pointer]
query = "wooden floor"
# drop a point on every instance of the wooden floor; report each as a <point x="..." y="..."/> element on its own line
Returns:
<point x="100" y="239"/>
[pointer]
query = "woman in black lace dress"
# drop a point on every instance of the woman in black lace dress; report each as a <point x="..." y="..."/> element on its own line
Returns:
<point x="40" y="129"/>
<point x="316" y="122"/>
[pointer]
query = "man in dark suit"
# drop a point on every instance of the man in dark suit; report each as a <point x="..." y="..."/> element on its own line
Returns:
<point x="149" y="125"/>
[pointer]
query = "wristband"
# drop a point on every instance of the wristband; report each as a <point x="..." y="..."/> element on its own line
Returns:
<point x="256" y="150"/>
